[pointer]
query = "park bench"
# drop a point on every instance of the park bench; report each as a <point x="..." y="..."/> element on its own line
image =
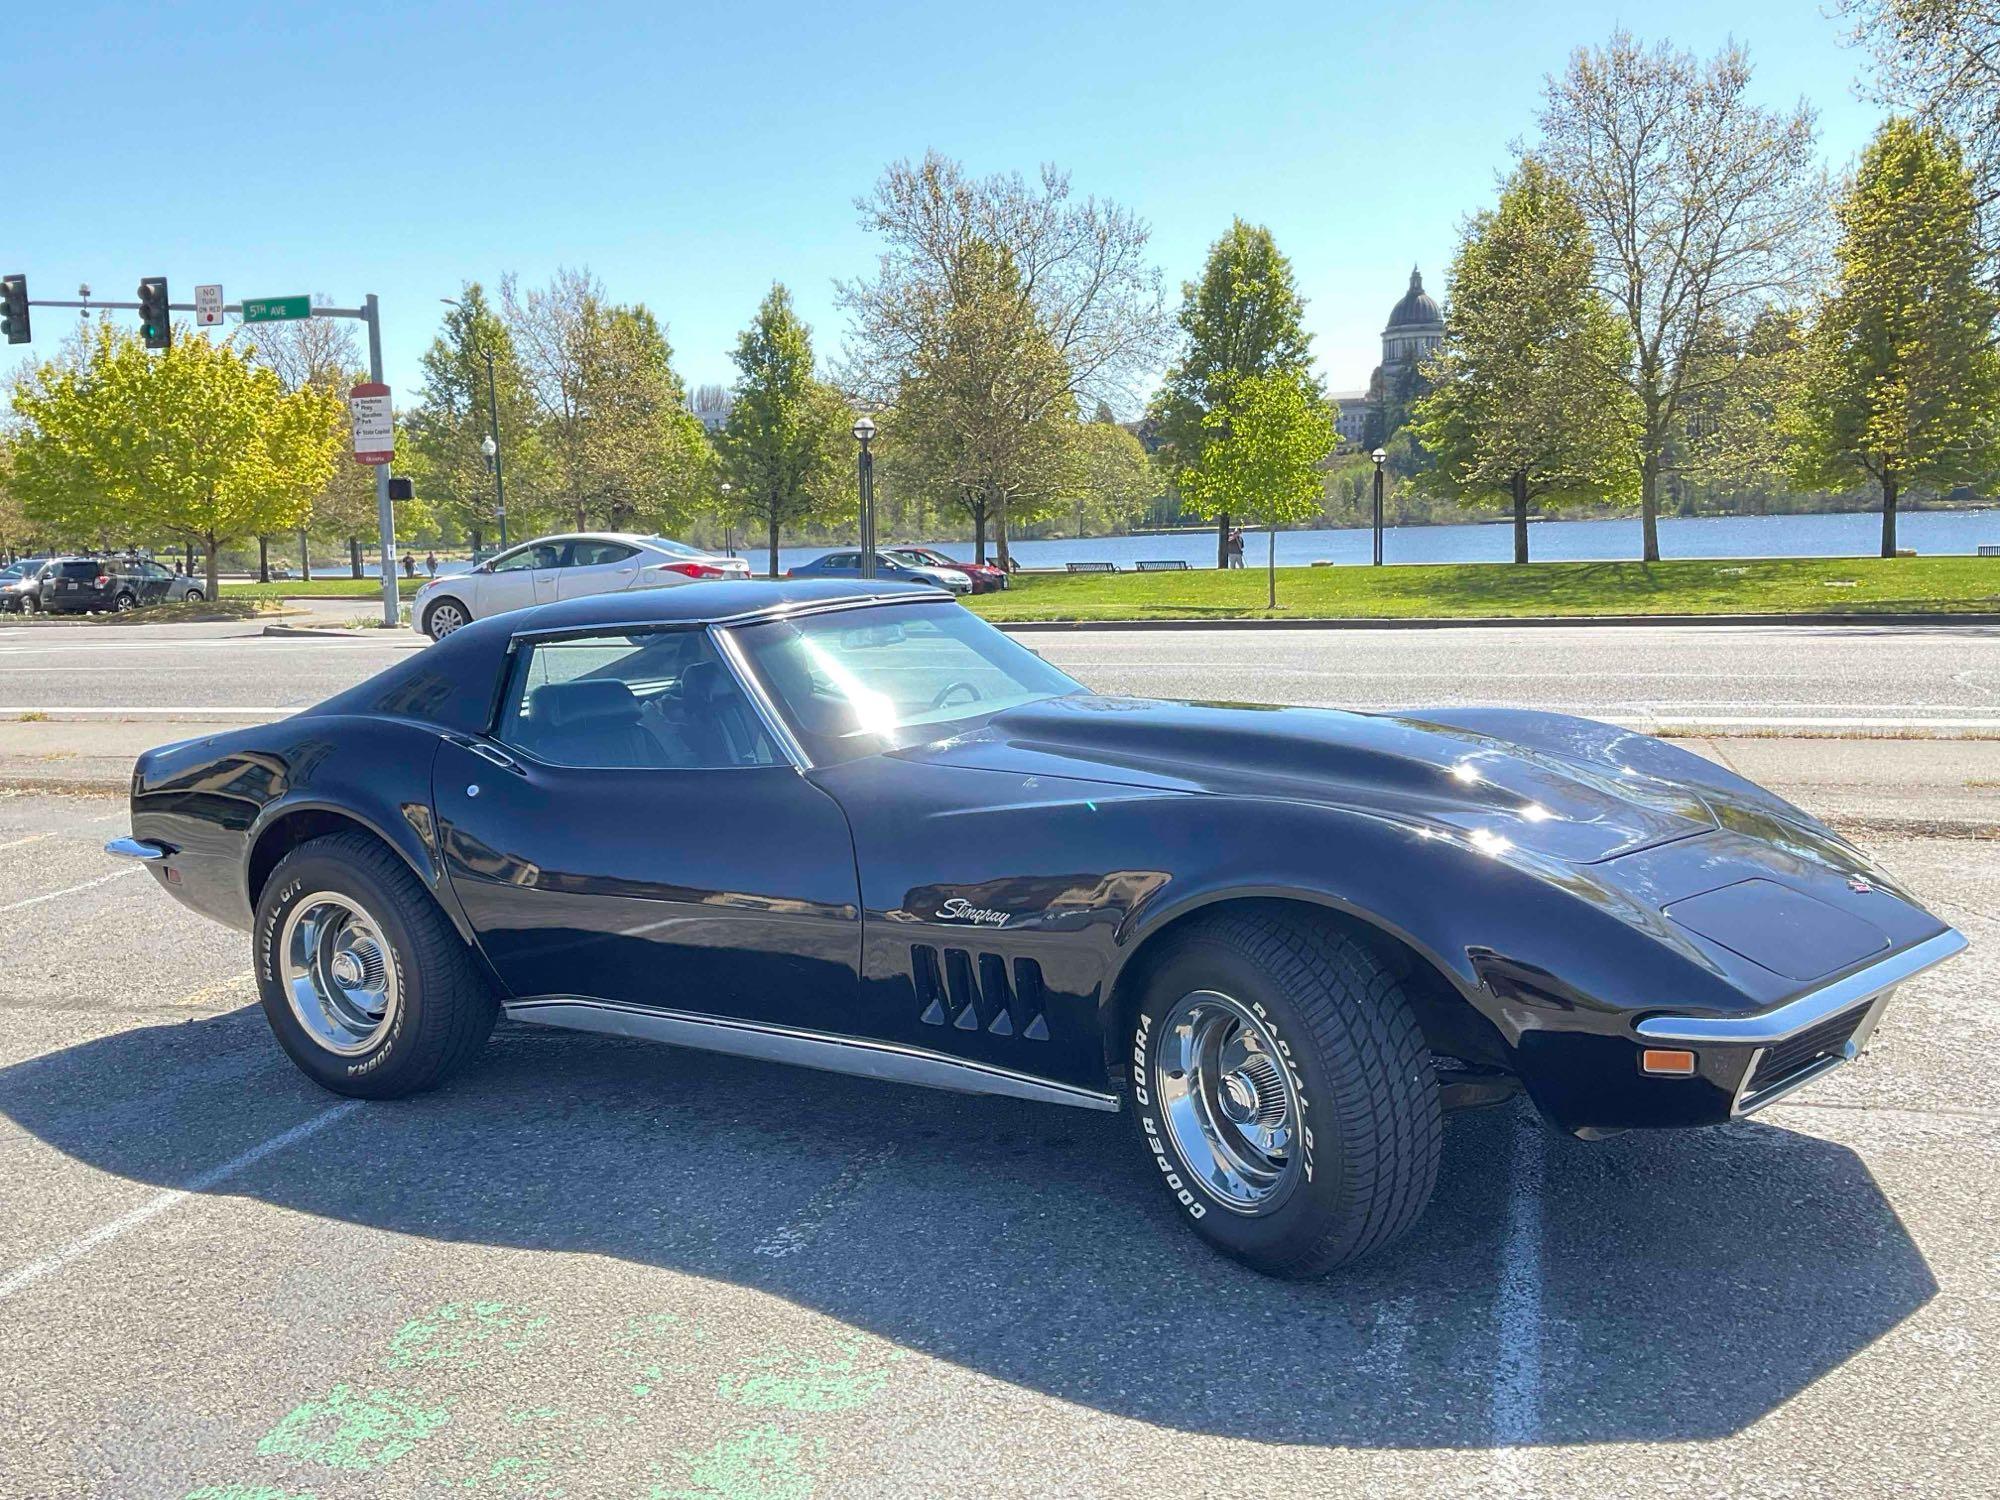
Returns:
<point x="1987" y="549"/>
<point x="1092" y="567"/>
<point x="1162" y="565"/>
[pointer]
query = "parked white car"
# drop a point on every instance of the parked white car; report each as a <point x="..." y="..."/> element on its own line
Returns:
<point x="563" y="567"/>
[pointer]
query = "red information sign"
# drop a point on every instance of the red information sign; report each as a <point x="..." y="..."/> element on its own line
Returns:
<point x="374" y="423"/>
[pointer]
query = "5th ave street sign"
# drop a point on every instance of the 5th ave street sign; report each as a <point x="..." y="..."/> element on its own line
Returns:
<point x="276" y="309"/>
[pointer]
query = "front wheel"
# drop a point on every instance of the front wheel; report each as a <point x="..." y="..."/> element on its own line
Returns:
<point x="194" y="596"/>
<point x="366" y="985"/>
<point x="1284" y="1092"/>
<point x="444" y="617"/>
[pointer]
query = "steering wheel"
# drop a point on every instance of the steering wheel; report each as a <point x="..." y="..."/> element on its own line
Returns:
<point x="943" y="696"/>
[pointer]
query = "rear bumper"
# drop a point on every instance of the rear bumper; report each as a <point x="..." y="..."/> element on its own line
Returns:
<point x="1743" y="1063"/>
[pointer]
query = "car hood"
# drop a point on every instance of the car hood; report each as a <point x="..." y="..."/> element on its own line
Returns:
<point x="1492" y="792"/>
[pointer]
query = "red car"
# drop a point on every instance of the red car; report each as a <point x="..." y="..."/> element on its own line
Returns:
<point x="985" y="577"/>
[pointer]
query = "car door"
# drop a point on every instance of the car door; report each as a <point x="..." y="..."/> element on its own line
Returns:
<point x="597" y="567"/>
<point x="156" y="582"/>
<point x="631" y="838"/>
<point x="517" y="579"/>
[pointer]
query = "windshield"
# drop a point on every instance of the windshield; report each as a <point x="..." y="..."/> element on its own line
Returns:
<point x="854" y="682"/>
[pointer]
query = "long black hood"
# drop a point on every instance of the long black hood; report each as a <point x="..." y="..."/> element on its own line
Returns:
<point x="1543" y="793"/>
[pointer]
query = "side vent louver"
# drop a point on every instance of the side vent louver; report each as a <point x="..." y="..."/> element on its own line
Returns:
<point x="974" y="991"/>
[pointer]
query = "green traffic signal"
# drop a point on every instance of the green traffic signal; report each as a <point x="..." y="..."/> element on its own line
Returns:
<point x="14" y="308"/>
<point x="155" y="323"/>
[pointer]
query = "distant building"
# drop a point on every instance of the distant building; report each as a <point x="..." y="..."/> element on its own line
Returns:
<point x="1415" y="328"/>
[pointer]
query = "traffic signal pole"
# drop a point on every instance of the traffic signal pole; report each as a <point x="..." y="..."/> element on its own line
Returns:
<point x="370" y="313"/>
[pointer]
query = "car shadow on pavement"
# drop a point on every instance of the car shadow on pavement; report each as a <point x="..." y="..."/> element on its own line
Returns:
<point x="1650" y="1288"/>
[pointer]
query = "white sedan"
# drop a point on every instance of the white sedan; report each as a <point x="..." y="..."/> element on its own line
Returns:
<point x="563" y="567"/>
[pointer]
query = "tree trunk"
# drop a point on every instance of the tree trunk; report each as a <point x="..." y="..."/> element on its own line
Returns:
<point x="263" y="559"/>
<point x="475" y="543"/>
<point x="979" y="532"/>
<point x="1520" y="518"/>
<point x="1888" y="514"/>
<point x="1271" y="564"/>
<point x="1649" y="510"/>
<point x="189" y="568"/>
<point x="208" y="546"/>
<point x="577" y="511"/>
<point x="1000" y="531"/>
<point x="774" y="546"/>
<point x="1222" y="540"/>
<point x="354" y="556"/>
<point x="305" y="558"/>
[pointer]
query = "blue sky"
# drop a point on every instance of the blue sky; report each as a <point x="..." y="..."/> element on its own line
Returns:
<point x="690" y="155"/>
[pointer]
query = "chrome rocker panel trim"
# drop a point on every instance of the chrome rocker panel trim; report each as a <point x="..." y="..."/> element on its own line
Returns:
<point x="1809" y="1009"/>
<point x="810" y="1049"/>
<point x="131" y="848"/>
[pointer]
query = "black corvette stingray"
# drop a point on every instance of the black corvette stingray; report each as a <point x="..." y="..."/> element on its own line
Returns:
<point x="854" y="827"/>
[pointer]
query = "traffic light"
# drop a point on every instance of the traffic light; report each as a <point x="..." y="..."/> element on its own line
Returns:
<point x="154" y="321"/>
<point x="14" y="308"/>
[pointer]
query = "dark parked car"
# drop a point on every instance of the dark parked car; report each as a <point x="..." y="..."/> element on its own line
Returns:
<point x="21" y="585"/>
<point x="857" y="828"/>
<point x="73" y="584"/>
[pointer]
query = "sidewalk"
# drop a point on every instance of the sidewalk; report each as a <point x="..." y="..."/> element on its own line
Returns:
<point x="1930" y="788"/>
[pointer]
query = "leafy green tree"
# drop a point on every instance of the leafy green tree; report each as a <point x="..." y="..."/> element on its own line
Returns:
<point x="621" y="447"/>
<point x="449" y="426"/>
<point x="1902" y="384"/>
<point x="1515" y="411"/>
<point x="197" y="441"/>
<point x="1702" y="205"/>
<point x="1243" y="318"/>
<point x="1115" y="479"/>
<point x="784" y="447"/>
<point x="1262" y="456"/>
<point x="1734" y="438"/>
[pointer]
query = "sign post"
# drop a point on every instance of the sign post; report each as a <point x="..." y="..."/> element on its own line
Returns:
<point x="381" y="456"/>
<point x="208" y="306"/>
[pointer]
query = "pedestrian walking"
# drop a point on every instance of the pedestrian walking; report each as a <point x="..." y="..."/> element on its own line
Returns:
<point x="1236" y="547"/>
<point x="431" y="566"/>
<point x="409" y="566"/>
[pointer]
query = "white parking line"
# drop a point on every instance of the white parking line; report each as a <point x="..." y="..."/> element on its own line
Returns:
<point x="1517" y="1374"/>
<point x="803" y="1227"/>
<point x="33" y="838"/>
<point x="58" y="895"/>
<point x="159" y="1203"/>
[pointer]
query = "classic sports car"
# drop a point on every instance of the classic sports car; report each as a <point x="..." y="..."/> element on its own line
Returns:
<point x="1284" y="939"/>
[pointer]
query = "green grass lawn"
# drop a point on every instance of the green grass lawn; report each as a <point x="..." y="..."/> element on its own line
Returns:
<point x="320" y="588"/>
<point x="1747" y="586"/>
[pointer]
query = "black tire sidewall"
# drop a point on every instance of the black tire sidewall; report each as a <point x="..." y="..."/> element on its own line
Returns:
<point x="1288" y="1230"/>
<point x="378" y="1071"/>
<point x="430" y="615"/>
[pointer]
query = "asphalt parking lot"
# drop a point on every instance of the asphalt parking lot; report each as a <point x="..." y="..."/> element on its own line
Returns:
<point x="593" y="1267"/>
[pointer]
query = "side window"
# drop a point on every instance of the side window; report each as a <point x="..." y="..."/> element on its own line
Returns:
<point x="541" y="555"/>
<point x="659" y="701"/>
<point x="599" y="554"/>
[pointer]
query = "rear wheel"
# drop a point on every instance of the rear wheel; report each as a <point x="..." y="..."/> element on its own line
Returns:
<point x="366" y="985"/>
<point x="445" y="616"/>
<point x="1284" y="1091"/>
<point x="124" y="601"/>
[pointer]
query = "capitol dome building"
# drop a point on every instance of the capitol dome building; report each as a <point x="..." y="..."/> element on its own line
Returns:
<point x="1414" y="329"/>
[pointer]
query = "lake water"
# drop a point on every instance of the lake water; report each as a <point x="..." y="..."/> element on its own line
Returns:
<point x="1851" y="534"/>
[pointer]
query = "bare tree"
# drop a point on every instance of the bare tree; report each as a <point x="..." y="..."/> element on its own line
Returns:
<point x="1082" y="263"/>
<point x="320" y="352"/>
<point x="1703" y="206"/>
<point x="1940" y="60"/>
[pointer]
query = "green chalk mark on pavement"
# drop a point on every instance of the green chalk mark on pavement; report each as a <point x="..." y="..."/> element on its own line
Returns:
<point x="641" y="1343"/>
<point x="353" y="1430"/>
<point x="760" y="1464"/>
<point x="801" y="1383"/>
<point x="458" y="1331"/>
<point x="244" y="1492"/>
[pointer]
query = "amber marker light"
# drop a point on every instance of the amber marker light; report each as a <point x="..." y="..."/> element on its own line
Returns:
<point x="1670" y="1061"/>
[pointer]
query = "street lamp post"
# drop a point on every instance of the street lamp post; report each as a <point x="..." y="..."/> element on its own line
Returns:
<point x="728" y="522"/>
<point x="864" y="433"/>
<point x="490" y="446"/>
<point x="1379" y="455"/>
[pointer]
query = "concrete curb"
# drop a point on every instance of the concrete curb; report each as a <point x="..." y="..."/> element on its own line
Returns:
<point x="333" y="632"/>
<point x="1488" y="622"/>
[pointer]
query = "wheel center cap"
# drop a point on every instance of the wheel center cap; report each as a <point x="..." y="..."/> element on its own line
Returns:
<point x="1239" y="1097"/>
<point x="347" y="970"/>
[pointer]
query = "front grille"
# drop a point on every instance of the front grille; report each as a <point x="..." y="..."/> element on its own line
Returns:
<point x="973" y="991"/>
<point x="1786" y="1059"/>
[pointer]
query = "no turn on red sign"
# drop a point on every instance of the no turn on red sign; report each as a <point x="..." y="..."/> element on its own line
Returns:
<point x="374" y="423"/>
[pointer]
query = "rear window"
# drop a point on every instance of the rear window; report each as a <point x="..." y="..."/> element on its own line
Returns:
<point x="80" y="570"/>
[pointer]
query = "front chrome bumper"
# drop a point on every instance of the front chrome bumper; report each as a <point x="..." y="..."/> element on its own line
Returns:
<point x="1866" y="990"/>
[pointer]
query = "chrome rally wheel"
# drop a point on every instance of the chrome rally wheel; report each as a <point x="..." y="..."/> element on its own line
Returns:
<point x="1228" y="1101"/>
<point x="338" y="974"/>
